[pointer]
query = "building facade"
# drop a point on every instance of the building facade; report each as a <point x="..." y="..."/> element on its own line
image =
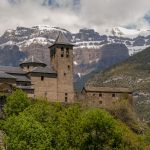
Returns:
<point x="105" y="96"/>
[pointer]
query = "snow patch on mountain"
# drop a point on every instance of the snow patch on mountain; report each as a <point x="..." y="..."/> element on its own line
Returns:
<point x="49" y="28"/>
<point x="124" y="32"/>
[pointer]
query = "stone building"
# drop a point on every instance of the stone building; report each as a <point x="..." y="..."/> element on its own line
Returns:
<point x="104" y="96"/>
<point x="53" y="83"/>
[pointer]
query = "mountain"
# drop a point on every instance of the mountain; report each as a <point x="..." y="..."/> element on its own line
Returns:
<point x="88" y="52"/>
<point x="92" y="50"/>
<point x="126" y="33"/>
<point x="134" y="73"/>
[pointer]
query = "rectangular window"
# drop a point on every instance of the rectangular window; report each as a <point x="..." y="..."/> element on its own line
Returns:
<point x="67" y="52"/>
<point x="100" y="95"/>
<point x="62" y="52"/>
<point x="66" y="97"/>
<point x="113" y="95"/>
<point x="68" y="67"/>
<point x="42" y="78"/>
<point x="100" y="102"/>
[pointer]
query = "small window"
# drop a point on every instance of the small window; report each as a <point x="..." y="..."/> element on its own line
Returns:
<point x="62" y="52"/>
<point x="68" y="67"/>
<point x="67" y="52"/>
<point x="28" y="66"/>
<point x="100" y="95"/>
<point x="66" y="99"/>
<point x="66" y="94"/>
<point x="93" y="94"/>
<point x="100" y="102"/>
<point x="64" y="74"/>
<point x="113" y="95"/>
<point x="42" y="78"/>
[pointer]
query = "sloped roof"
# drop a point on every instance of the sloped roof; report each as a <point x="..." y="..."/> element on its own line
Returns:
<point x="62" y="39"/>
<point x="107" y="89"/>
<point x="4" y="75"/>
<point x="32" y="60"/>
<point x="12" y="70"/>
<point x="22" y="78"/>
<point x="43" y="70"/>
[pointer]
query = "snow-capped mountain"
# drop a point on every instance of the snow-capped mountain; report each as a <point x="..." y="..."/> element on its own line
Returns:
<point x="92" y="50"/>
<point x="126" y="33"/>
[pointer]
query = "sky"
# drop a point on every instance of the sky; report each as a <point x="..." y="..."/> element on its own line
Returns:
<point x="75" y="14"/>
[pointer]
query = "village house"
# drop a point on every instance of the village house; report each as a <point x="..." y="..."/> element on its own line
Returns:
<point x="104" y="96"/>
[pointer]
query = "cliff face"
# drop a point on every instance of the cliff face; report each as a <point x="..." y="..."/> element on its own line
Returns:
<point x="11" y="56"/>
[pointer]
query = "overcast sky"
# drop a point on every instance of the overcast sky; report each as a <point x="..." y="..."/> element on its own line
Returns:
<point x="91" y="14"/>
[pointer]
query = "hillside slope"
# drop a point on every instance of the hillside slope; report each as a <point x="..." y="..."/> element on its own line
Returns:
<point x="134" y="73"/>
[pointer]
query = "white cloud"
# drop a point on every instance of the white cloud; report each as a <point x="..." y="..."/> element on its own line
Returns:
<point x="94" y="14"/>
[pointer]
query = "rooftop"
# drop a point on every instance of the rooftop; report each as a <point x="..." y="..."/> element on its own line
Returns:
<point x="62" y="39"/>
<point x="107" y="89"/>
<point x="43" y="70"/>
<point x="4" y="75"/>
<point x="32" y="60"/>
<point x="12" y="70"/>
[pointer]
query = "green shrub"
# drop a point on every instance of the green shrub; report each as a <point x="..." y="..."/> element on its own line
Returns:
<point x="16" y="103"/>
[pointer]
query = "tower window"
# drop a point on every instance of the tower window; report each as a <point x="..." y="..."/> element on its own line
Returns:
<point x="62" y="52"/>
<point x="42" y="78"/>
<point x="68" y="67"/>
<point x="67" y="52"/>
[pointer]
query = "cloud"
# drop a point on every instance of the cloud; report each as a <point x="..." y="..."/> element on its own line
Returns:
<point x="93" y="14"/>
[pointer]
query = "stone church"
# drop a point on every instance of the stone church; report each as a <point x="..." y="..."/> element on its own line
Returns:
<point x="56" y="83"/>
<point x="37" y="80"/>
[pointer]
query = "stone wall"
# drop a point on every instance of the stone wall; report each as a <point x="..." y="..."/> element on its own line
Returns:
<point x="104" y="99"/>
<point x="46" y="89"/>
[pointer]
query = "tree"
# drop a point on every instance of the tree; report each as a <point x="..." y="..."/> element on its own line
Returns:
<point x="24" y="132"/>
<point x="16" y="103"/>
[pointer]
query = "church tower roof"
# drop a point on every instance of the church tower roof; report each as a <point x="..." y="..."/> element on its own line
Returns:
<point x="62" y="40"/>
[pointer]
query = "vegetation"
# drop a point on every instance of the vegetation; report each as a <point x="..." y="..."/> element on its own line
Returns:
<point x="39" y="125"/>
<point x="134" y="73"/>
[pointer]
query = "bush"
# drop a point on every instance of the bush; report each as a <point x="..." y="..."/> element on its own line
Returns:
<point x="123" y="110"/>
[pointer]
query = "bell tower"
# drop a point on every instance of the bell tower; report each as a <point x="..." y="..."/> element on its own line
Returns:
<point x="61" y="53"/>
